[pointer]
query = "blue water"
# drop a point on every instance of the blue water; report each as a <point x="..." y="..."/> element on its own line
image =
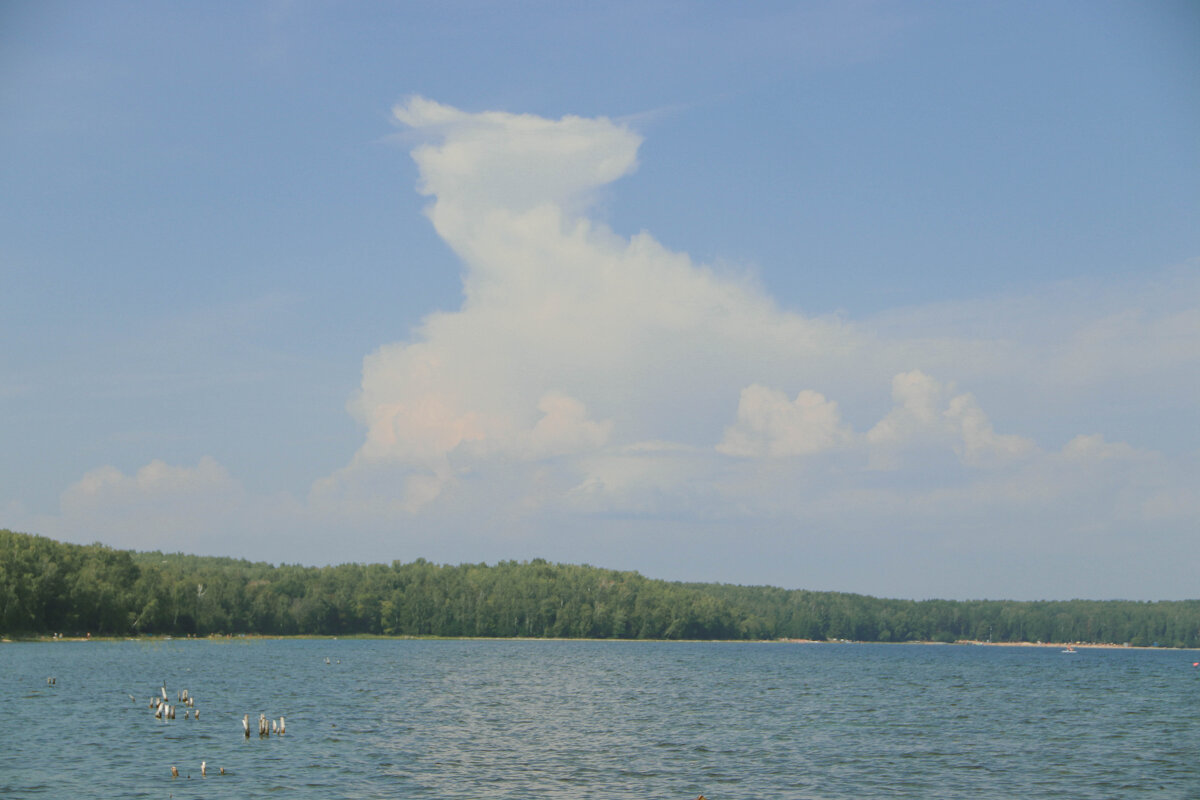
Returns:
<point x="555" y="719"/>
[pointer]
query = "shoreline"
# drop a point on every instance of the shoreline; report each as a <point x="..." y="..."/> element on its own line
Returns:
<point x="248" y="637"/>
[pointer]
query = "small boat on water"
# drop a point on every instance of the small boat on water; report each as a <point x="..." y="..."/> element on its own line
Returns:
<point x="1071" y="649"/>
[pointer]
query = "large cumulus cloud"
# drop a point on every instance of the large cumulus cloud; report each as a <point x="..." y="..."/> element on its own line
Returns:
<point x="589" y="374"/>
<point x="598" y="396"/>
<point x="570" y="338"/>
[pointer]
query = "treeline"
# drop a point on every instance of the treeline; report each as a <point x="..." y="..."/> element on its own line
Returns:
<point x="52" y="587"/>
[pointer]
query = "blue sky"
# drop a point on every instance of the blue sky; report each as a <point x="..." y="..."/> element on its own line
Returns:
<point x="894" y="298"/>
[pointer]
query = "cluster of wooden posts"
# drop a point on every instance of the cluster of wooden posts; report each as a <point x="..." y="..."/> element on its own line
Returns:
<point x="163" y="709"/>
<point x="266" y="727"/>
<point x="166" y="710"/>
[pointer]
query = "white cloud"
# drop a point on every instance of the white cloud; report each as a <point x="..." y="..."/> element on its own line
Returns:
<point x="1092" y="447"/>
<point x="980" y="442"/>
<point x="516" y="162"/>
<point x="588" y="375"/>
<point x="768" y="424"/>
<point x="570" y="337"/>
<point x="926" y="411"/>
<point x="1101" y="351"/>
<point x="160" y="506"/>
<point x="593" y="384"/>
<point x="564" y="428"/>
<point x="917" y="412"/>
<point x="152" y="482"/>
<point x="1175" y="504"/>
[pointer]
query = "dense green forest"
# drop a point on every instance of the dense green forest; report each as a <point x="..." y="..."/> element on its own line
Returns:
<point x="52" y="587"/>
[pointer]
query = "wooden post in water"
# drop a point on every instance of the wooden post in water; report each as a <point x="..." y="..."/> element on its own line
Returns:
<point x="246" y="724"/>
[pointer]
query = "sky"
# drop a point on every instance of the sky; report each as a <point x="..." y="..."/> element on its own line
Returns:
<point x="882" y="297"/>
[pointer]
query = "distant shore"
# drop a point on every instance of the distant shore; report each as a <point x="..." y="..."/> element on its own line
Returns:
<point x="352" y="637"/>
<point x="984" y="643"/>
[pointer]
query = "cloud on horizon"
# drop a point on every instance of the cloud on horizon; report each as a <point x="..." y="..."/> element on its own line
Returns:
<point x="590" y="376"/>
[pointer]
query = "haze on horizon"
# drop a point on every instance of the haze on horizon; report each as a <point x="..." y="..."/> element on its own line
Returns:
<point x="884" y="298"/>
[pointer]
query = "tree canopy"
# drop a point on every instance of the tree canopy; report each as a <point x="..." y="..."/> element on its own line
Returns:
<point x="53" y="587"/>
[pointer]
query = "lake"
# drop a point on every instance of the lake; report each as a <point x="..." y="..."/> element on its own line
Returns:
<point x="568" y="719"/>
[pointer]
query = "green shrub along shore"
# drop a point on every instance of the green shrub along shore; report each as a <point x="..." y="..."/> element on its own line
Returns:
<point x="49" y="587"/>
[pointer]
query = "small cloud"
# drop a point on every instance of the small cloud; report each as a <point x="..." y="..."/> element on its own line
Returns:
<point x="1093" y="447"/>
<point x="152" y="483"/>
<point x="768" y="424"/>
<point x="918" y="401"/>
<point x="980" y="444"/>
<point x="160" y="505"/>
<point x="926" y="412"/>
<point x="564" y="428"/>
<point x="1172" y="505"/>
